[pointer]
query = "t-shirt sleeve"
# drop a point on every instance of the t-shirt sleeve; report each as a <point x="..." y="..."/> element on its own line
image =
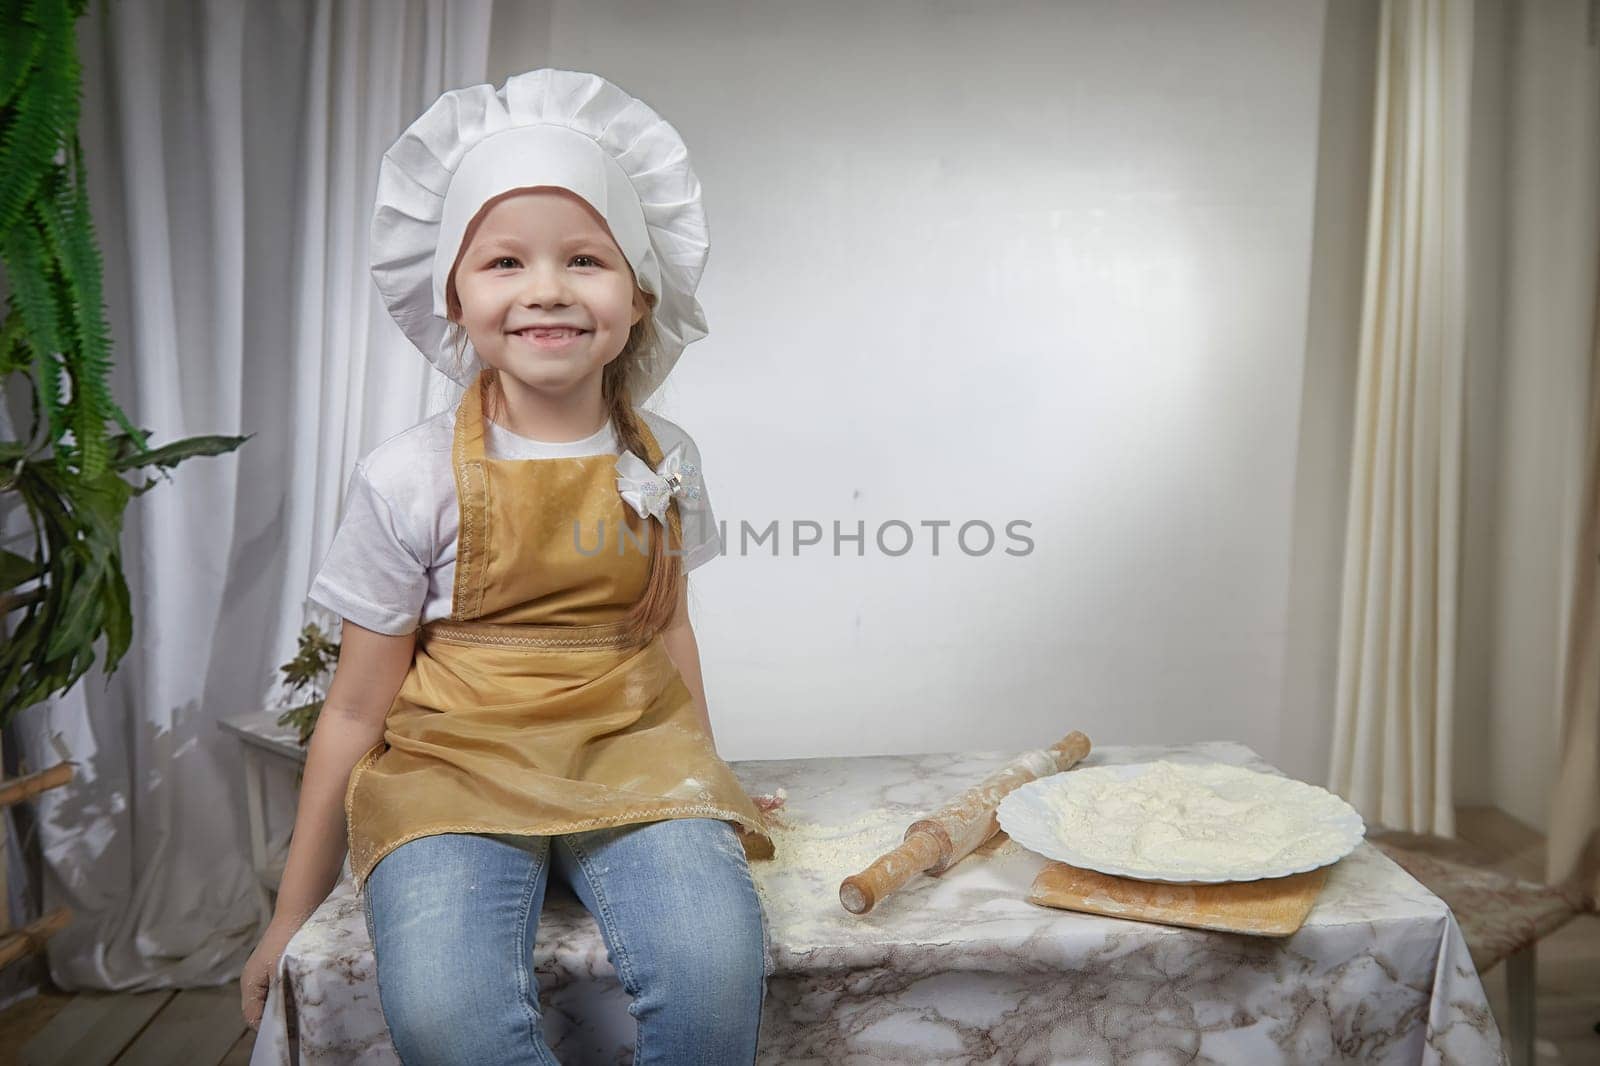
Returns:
<point x="702" y="540"/>
<point x="374" y="573"/>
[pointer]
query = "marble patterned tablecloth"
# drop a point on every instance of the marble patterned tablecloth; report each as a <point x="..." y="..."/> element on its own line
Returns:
<point x="961" y="968"/>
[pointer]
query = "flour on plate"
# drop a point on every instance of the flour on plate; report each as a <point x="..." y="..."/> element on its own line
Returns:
<point x="1208" y="820"/>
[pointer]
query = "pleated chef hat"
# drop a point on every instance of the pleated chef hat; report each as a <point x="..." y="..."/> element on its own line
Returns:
<point x="545" y="127"/>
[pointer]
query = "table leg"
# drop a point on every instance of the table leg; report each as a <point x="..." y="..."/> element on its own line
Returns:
<point x="254" y="786"/>
<point x="1521" y="981"/>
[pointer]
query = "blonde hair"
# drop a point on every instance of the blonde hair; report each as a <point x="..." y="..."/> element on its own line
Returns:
<point x="658" y="603"/>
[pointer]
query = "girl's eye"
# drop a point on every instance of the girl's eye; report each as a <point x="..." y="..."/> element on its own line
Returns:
<point x="507" y="262"/>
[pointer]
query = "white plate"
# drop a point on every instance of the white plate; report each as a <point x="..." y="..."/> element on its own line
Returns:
<point x="1210" y="823"/>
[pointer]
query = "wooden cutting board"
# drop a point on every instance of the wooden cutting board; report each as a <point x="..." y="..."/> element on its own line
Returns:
<point x="1274" y="907"/>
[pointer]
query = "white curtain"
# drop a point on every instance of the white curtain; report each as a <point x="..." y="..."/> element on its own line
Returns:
<point x="1574" y="851"/>
<point x="1392" y="730"/>
<point x="1572" y="108"/>
<point x="1545" y="725"/>
<point x="232" y="152"/>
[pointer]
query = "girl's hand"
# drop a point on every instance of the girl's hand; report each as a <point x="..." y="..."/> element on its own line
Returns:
<point x="259" y="969"/>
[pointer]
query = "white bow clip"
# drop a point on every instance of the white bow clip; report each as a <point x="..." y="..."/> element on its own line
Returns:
<point x="649" y="491"/>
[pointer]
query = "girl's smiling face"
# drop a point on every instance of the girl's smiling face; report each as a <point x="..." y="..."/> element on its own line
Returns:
<point x="546" y="296"/>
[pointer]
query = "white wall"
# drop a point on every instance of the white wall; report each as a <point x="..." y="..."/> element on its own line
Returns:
<point x="1024" y="261"/>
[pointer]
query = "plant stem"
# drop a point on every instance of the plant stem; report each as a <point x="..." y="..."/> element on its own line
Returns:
<point x="12" y="601"/>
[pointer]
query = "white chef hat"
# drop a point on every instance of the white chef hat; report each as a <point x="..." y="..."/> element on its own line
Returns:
<point x="563" y="128"/>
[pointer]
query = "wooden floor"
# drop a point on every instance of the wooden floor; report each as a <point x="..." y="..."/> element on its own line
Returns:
<point x="198" y="1026"/>
<point x="201" y="1027"/>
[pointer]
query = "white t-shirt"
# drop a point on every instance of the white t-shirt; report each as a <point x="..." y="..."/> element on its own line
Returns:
<point x="392" y="564"/>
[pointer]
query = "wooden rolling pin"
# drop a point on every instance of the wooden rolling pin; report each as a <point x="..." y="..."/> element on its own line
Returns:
<point x="948" y="835"/>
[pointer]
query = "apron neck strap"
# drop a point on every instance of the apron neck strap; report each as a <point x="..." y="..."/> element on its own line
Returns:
<point x="469" y="421"/>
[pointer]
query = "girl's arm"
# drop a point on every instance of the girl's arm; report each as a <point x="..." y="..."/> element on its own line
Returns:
<point x="679" y="640"/>
<point x="371" y="668"/>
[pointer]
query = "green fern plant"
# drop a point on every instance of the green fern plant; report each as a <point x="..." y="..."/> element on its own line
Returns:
<point x="68" y="472"/>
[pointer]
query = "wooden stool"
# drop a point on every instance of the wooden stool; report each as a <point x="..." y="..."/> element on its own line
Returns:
<point x="1501" y="917"/>
<point x="29" y="940"/>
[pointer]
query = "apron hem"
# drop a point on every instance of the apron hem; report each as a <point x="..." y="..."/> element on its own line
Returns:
<point x="695" y="810"/>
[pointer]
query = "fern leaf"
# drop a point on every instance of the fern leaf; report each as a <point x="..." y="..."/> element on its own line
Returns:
<point x="17" y="48"/>
<point x="85" y="252"/>
<point x="25" y="270"/>
<point x="87" y="361"/>
<point x="45" y="107"/>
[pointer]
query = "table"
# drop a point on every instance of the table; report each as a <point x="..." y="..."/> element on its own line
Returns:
<point x="961" y="968"/>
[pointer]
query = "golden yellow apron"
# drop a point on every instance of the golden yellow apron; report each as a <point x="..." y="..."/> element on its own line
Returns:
<point x="530" y="711"/>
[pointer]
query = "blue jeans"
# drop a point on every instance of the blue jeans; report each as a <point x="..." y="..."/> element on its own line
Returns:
<point x="453" y="918"/>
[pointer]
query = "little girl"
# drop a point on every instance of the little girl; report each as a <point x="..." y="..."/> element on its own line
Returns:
<point x="519" y="686"/>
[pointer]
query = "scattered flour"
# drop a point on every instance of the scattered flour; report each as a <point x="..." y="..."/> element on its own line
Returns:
<point x="833" y="852"/>
<point x="799" y="885"/>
